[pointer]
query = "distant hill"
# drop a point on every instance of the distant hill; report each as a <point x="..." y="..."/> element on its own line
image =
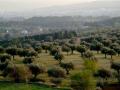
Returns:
<point x="115" y="21"/>
<point x="96" y="8"/>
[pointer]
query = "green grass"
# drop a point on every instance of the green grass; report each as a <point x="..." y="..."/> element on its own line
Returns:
<point x="13" y="86"/>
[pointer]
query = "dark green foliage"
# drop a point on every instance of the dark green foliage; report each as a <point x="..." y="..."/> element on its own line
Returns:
<point x="7" y="71"/>
<point x="56" y="81"/>
<point x="12" y="51"/>
<point x="105" y="50"/>
<point x="111" y="52"/>
<point x="54" y="51"/>
<point x="89" y="55"/>
<point x="81" y="49"/>
<point x="3" y="66"/>
<point x="116" y="66"/>
<point x="83" y="81"/>
<point x="97" y="46"/>
<point x="38" y="49"/>
<point x="45" y="47"/>
<point x="114" y="45"/>
<point x="66" y="49"/>
<point x="104" y="74"/>
<point x="73" y="48"/>
<point x="2" y="50"/>
<point x="28" y="60"/>
<point x="56" y="72"/>
<point x="59" y="57"/>
<point x="4" y="58"/>
<point x="23" y="53"/>
<point x="32" y="54"/>
<point x="67" y="67"/>
<point x="106" y="42"/>
<point x="117" y="49"/>
<point x="17" y="73"/>
<point x="36" y="70"/>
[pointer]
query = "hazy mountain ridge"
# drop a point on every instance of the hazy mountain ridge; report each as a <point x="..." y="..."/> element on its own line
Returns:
<point x="96" y="8"/>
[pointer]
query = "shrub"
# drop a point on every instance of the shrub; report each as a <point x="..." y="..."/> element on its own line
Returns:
<point x="56" y="72"/>
<point x="28" y="60"/>
<point x="67" y="67"/>
<point x="36" y="70"/>
<point x="4" y="58"/>
<point x="81" y="49"/>
<point x="54" y="51"/>
<point x="59" y="57"/>
<point x="56" y="81"/>
<point x="12" y="51"/>
<point x="18" y="73"/>
<point x="3" y="66"/>
<point x="83" y="81"/>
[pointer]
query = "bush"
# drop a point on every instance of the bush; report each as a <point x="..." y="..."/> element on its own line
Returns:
<point x="56" y="81"/>
<point x="18" y="73"/>
<point x="38" y="49"/>
<point x="67" y="67"/>
<point x="89" y="55"/>
<point x="53" y="51"/>
<point x="4" y="57"/>
<point x="36" y="70"/>
<point x="56" y="72"/>
<point x="83" y="81"/>
<point x="3" y="66"/>
<point x="28" y="60"/>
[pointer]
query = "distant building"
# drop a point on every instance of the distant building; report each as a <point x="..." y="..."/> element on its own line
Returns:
<point x="24" y="32"/>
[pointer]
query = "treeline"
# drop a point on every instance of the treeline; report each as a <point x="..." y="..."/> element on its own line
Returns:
<point x="43" y="37"/>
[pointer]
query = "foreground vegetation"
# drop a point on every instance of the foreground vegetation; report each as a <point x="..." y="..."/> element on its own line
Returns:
<point x="13" y="86"/>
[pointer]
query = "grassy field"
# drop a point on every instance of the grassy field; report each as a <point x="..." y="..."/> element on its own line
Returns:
<point x="9" y="86"/>
<point x="48" y="61"/>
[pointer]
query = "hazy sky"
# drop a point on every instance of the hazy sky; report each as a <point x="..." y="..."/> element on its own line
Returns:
<point x="21" y="5"/>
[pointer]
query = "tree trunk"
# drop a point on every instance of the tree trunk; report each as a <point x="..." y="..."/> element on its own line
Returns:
<point x="35" y="77"/>
<point x="67" y="53"/>
<point x="97" y="51"/>
<point x="81" y="54"/>
<point x="13" y="57"/>
<point x="67" y="72"/>
<point x="118" y="71"/>
<point x="72" y="52"/>
<point x="105" y="55"/>
<point x="111" y="56"/>
<point x="46" y="51"/>
<point x="60" y="61"/>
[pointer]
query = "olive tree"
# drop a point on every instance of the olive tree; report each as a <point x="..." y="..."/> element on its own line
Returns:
<point x="12" y="51"/>
<point x="111" y="52"/>
<point x="59" y="57"/>
<point x="105" y="50"/>
<point x="28" y="60"/>
<point x="66" y="49"/>
<point x="36" y="70"/>
<point x="56" y="72"/>
<point x="67" y="67"/>
<point x="73" y="48"/>
<point x="81" y="49"/>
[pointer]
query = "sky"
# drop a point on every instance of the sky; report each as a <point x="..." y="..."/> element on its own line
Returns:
<point x="22" y="5"/>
